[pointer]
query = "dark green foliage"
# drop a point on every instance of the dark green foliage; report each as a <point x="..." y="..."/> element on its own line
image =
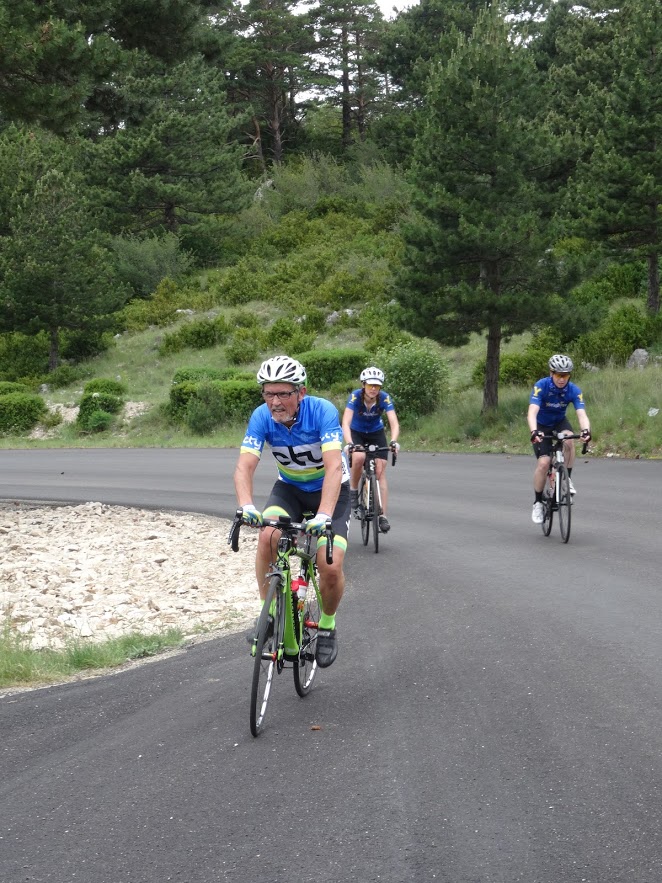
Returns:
<point x="195" y="375"/>
<point x="246" y="345"/>
<point x="95" y="402"/>
<point x="20" y="411"/>
<point x="626" y="329"/>
<point x="416" y="376"/>
<point x="288" y="336"/>
<point x="23" y="355"/>
<point x="180" y="395"/>
<point x="77" y="346"/>
<point x="199" y="334"/>
<point x="163" y="307"/>
<point x="65" y="375"/>
<point x="142" y="262"/>
<point x="526" y="367"/>
<point x="326" y="367"/>
<point x="96" y="421"/>
<point x="105" y="385"/>
<point x="205" y="410"/>
<point x="240" y="398"/>
<point x="7" y="386"/>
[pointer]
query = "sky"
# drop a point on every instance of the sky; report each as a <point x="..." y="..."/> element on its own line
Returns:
<point x="386" y="6"/>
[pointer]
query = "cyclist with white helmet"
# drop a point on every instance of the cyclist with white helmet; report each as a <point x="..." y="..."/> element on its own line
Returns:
<point x="305" y="438"/>
<point x="547" y="411"/>
<point x="362" y="424"/>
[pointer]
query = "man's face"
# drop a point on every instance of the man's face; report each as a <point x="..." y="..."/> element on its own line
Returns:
<point x="560" y="378"/>
<point x="282" y="400"/>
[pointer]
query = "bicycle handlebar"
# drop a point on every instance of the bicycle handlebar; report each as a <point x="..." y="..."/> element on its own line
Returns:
<point x="371" y="449"/>
<point x="564" y="436"/>
<point x="283" y="523"/>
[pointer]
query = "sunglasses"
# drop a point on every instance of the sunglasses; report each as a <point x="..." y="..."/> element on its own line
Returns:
<point x="562" y="376"/>
<point x="282" y="396"/>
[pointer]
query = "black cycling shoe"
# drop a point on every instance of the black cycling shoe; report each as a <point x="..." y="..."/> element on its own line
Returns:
<point x="384" y="525"/>
<point x="327" y="647"/>
<point x="252" y="635"/>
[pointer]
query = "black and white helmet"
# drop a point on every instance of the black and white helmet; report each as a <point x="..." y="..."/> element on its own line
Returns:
<point x="282" y="369"/>
<point x="372" y="375"/>
<point x="561" y="363"/>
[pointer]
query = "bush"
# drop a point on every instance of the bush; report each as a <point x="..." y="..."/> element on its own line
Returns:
<point x="142" y="263"/>
<point x="240" y="398"/>
<point x="96" y="401"/>
<point x="416" y="376"/>
<point x="288" y="335"/>
<point x="205" y="410"/>
<point x="328" y="367"/>
<point x="224" y="399"/>
<point x="20" y="411"/>
<point x="626" y="329"/>
<point x="200" y="334"/>
<point x="23" y="355"/>
<point x="97" y="421"/>
<point x="76" y="346"/>
<point x="64" y="375"/>
<point x="105" y="385"/>
<point x="246" y="345"/>
<point x="195" y="375"/>
<point x="9" y="386"/>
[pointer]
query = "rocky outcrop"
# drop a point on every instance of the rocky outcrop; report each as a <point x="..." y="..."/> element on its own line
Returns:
<point x="94" y="571"/>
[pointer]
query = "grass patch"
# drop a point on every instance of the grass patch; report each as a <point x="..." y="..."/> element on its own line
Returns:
<point x="21" y="665"/>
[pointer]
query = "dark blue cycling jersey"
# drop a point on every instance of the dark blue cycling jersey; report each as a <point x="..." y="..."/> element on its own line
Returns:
<point x="554" y="401"/>
<point x="298" y="450"/>
<point x="368" y="419"/>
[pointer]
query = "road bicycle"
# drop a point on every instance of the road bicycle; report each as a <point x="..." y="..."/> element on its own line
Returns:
<point x="286" y="632"/>
<point x="556" y="496"/>
<point x="369" y="495"/>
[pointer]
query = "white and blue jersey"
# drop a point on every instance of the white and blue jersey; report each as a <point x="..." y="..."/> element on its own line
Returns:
<point x="298" y="450"/>
<point x="553" y="401"/>
<point x="368" y="419"/>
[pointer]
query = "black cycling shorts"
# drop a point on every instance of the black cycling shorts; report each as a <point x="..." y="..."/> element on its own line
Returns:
<point x="372" y="438"/>
<point x="544" y="448"/>
<point x="298" y="503"/>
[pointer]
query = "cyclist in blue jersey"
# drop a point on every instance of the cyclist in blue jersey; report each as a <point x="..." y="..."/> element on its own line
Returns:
<point x="305" y="438"/>
<point x="547" y="411"/>
<point x="362" y="424"/>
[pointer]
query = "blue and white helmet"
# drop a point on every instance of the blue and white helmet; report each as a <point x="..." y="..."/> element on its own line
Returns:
<point x="282" y="369"/>
<point x="561" y="363"/>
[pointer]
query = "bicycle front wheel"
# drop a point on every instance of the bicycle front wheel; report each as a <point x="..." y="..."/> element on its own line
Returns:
<point x="565" y="502"/>
<point x="376" y="511"/>
<point x="365" y="505"/>
<point x="548" y="503"/>
<point x="269" y="636"/>
<point x="305" y="667"/>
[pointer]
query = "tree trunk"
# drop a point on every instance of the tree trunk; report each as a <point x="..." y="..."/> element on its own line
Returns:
<point x="346" y="97"/>
<point x="491" y="387"/>
<point x="653" y="300"/>
<point x="53" y="349"/>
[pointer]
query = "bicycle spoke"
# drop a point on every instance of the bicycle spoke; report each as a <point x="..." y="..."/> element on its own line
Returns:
<point x="305" y="666"/>
<point x="565" y="503"/>
<point x="265" y="664"/>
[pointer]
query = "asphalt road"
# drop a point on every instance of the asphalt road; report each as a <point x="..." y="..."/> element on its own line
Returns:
<point x="494" y="715"/>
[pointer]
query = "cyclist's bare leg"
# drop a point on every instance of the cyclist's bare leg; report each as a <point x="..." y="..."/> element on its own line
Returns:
<point x="569" y="452"/>
<point x="331" y="578"/>
<point x="266" y="554"/>
<point x="542" y="465"/>
<point x="380" y="469"/>
<point x="358" y="459"/>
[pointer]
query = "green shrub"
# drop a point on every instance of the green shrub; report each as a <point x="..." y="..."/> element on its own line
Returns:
<point x="142" y="262"/>
<point x="416" y="376"/>
<point x="195" y="375"/>
<point x="526" y="367"/>
<point x="326" y="367"/>
<point x="20" y="411"/>
<point x="626" y="329"/>
<point x="9" y="386"/>
<point x="76" y="346"/>
<point x="23" y="355"/>
<point x="245" y="346"/>
<point x="198" y="335"/>
<point x="288" y="335"/>
<point x="97" y="421"/>
<point x="313" y="319"/>
<point x="64" y="375"/>
<point x="205" y="410"/>
<point x="180" y="395"/>
<point x="96" y="401"/>
<point x="240" y="398"/>
<point x="105" y="385"/>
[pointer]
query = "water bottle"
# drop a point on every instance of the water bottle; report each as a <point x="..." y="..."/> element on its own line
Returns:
<point x="300" y="587"/>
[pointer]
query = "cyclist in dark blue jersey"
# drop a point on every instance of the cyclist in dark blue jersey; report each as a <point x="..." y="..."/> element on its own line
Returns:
<point x="547" y="411"/>
<point x="362" y="424"/>
<point x="305" y="438"/>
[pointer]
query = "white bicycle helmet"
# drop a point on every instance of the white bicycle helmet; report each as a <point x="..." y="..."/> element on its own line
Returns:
<point x="281" y="369"/>
<point x="561" y="363"/>
<point x="372" y="375"/>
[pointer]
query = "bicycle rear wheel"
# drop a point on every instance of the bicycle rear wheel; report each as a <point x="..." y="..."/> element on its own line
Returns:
<point x="265" y="665"/>
<point x="365" y="506"/>
<point x="565" y="502"/>
<point x="548" y="502"/>
<point x="305" y="667"/>
<point x="374" y="495"/>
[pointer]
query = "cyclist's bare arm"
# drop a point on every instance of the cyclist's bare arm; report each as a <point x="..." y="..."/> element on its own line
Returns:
<point x="532" y="417"/>
<point x="243" y="478"/>
<point x="394" y="425"/>
<point x="347" y="416"/>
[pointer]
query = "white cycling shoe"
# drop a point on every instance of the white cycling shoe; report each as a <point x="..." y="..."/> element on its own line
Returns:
<point x="571" y="486"/>
<point x="536" y="515"/>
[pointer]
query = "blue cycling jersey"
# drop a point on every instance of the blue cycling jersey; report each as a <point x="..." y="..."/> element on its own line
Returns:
<point x="298" y="450"/>
<point x="554" y="401"/>
<point x="368" y="419"/>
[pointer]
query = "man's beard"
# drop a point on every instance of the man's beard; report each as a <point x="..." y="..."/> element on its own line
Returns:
<point x="282" y="417"/>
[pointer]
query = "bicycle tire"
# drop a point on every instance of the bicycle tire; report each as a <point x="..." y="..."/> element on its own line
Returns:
<point x="565" y="502"/>
<point x="376" y="511"/>
<point x="547" y="507"/>
<point x="305" y="666"/>
<point x="364" y="509"/>
<point x="265" y="664"/>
